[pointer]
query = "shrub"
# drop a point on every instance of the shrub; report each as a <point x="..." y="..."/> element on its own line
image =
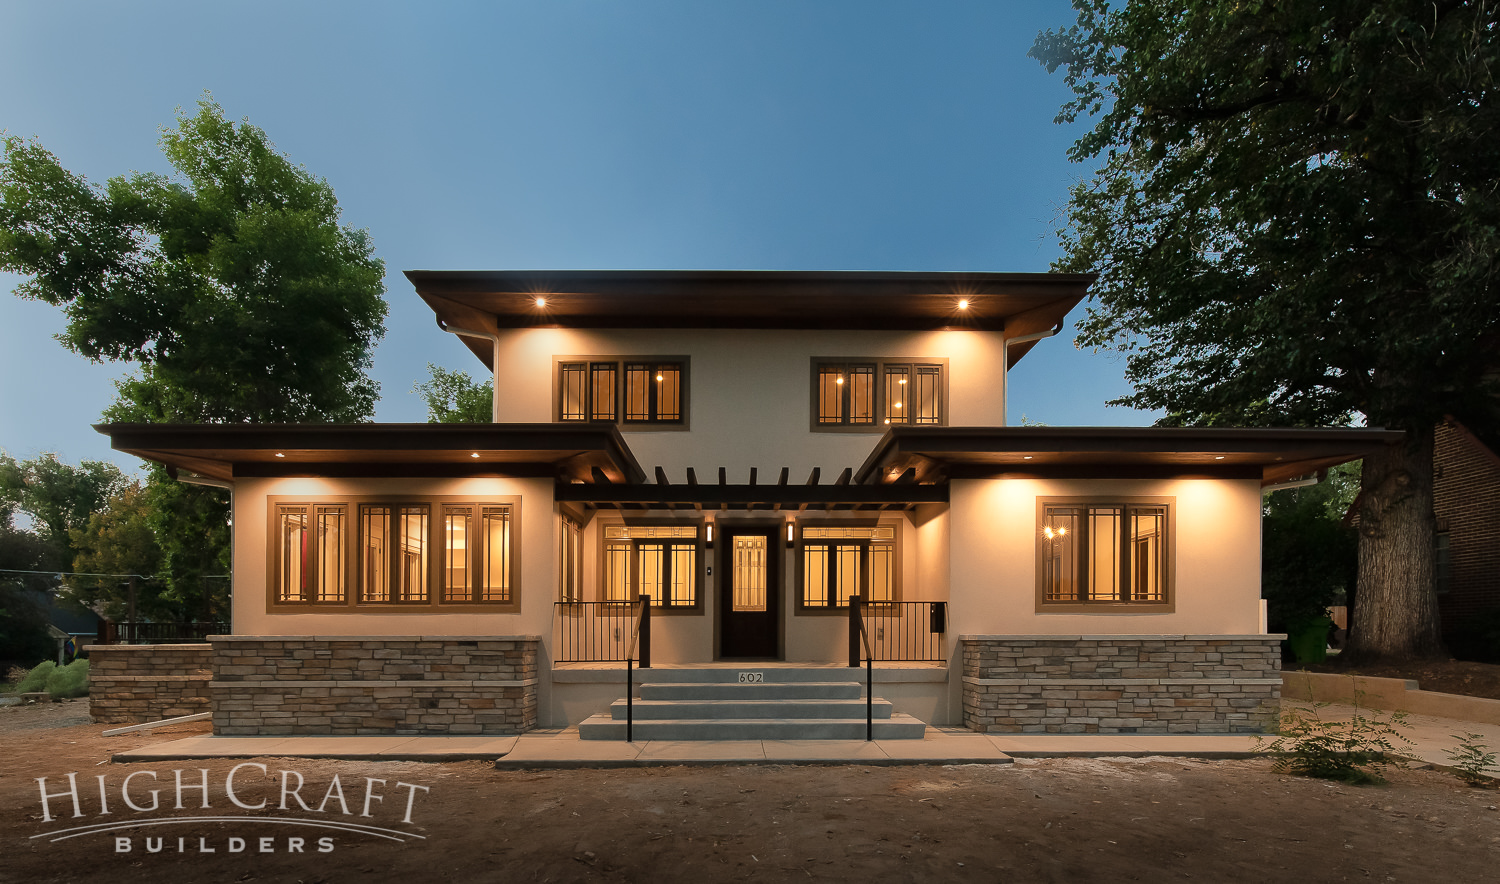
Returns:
<point x="69" y="681"/>
<point x="36" y="679"/>
<point x="1472" y="760"/>
<point x="1354" y="751"/>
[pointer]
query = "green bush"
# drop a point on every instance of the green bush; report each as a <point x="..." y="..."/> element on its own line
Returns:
<point x="1354" y="751"/>
<point x="69" y="681"/>
<point x="36" y="679"/>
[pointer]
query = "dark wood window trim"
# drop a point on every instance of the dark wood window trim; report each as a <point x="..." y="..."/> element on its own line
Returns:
<point x="351" y="554"/>
<point x="1129" y="559"/>
<point x="805" y="606"/>
<point x="632" y="564"/>
<point x="649" y="392"/>
<point x="882" y="406"/>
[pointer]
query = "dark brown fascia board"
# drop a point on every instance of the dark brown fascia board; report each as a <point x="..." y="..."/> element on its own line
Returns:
<point x="748" y="299"/>
<point x="1274" y="450"/>
<point x="744" y="495"/>
<point x="211" y="448"/>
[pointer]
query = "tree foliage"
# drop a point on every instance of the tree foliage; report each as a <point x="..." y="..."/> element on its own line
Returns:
<point x="453" y="397"/>
<point x="59" y="497"/>
<point x="120" y="540"/>
<point x="1309" y="555"/>
<point x="1295" y="221"/>
<point x="231" y="285"/>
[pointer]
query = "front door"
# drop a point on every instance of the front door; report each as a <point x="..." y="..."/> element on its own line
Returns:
<point x="749" y="591"/>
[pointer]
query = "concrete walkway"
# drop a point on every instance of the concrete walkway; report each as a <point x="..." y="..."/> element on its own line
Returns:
<point x="1431" y="738"/>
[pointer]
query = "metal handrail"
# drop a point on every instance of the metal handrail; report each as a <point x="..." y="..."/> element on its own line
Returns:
<point x="642" y="627"/>
<point x="857" y="625"/>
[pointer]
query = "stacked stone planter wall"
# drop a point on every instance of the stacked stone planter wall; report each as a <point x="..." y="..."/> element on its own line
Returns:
<point x="290" y="684"/>
<point x="130" y="684"/>
<point x="1156" y="684"/>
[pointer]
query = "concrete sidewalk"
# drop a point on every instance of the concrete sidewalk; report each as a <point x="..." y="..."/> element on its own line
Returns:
<point x="1431" y="738"/>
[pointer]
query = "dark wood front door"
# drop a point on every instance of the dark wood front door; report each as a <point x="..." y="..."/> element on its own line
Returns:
<point x="749" y="592"/>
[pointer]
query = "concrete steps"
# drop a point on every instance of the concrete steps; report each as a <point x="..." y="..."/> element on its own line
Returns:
<point x="719" y="703"/>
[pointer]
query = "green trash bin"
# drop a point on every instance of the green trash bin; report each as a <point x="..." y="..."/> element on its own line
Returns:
<point x="1308" y="640"/>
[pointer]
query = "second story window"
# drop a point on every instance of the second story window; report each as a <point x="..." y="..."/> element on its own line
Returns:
<point x="873" y="394"/>
<point x="628" y="390"/>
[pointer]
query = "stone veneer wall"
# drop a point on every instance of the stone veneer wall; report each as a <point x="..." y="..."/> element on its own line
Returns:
<point x="130" y="684"/>
<point x="302" y="684"/>
<point x="1121" y="684"/>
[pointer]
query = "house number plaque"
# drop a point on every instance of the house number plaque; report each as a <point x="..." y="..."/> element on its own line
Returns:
<point x="752" y="677"/>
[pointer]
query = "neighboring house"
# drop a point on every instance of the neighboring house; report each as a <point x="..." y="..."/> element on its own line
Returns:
<point x="1466" y="501"/>
<point x="751" y="450"/>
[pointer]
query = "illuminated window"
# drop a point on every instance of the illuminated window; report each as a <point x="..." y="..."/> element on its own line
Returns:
<point x="570" y="569"/>
<point x="1113" y="553"/>
<point x="838" y="562"/>
<point x="310" y="541"/>
<point x="425" y="552"/>
<point x="877" y="393"/>
<point x="660" y="561"/>
<point x="637" y="391"/>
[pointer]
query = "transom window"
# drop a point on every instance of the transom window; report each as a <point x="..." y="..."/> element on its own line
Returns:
<point x="839" y="562"/>
<point x="660" y="561"/>
<point x="439" y="551"/>
<point x="1104" y="553"/>
<point x="631" y="390"/>
<point x="874" y="394"/>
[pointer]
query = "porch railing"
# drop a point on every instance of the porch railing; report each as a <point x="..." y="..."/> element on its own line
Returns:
<point x="594" y="632"/>
<point x="142" y="633"/>
<point x="640" y="639"/>
<point x="906" y="632"/>
<point x="859" y="641"/>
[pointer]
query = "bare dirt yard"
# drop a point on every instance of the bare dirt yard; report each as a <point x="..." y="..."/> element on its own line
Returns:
<point x="1444" y="676"/>
<point x="1060" y="820"/>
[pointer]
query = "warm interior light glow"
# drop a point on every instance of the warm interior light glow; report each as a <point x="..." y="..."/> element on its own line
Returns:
<point x="840" y="379"/>
<point x="658" y="377"/>
<point x="541" y="302"/>
<point x="963" y="304"/>
<point x="902" y="381"/>
<point x="897" y="405"/>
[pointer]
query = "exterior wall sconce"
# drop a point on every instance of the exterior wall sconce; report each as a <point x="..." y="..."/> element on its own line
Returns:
<point x="541" y="302"/>
<point x="708" y="534"/>
<point x="791" y="533"/>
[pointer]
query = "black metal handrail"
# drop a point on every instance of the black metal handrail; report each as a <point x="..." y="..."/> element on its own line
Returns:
<point x="859" y="637"/>
<point x="143" y="633"/>
<point x="907" y="631"/>
<point x="641" y="634"/>
<point x="594" y="632"/>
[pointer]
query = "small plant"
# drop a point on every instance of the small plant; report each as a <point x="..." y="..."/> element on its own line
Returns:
<point x="1471" y="759"/>
<point x="1354" y="751"/>
<point x="69" y="681"/>
<point x="36" y="679"/>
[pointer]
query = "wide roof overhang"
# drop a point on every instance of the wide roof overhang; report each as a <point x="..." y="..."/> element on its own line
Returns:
<point x="936" y="454"/>
<point x="230" y="451"/>
<point x="1017" y="304"/>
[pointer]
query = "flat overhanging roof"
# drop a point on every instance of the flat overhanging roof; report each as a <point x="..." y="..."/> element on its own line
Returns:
<point x="229" y="451"/>
<point x="1015" y="303"/>
<point x="935" y="454"/>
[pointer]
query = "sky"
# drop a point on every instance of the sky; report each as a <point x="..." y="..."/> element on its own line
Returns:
<point x="763" y="135"/>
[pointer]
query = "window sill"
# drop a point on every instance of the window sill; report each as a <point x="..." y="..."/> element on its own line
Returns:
<point x="1109" y="608"/>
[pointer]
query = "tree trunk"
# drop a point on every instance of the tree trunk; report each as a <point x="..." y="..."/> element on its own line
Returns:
<point x="1396" y="616"/>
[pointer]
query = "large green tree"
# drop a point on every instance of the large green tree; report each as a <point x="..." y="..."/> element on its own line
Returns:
<point x="231" y="285"/>
<point x="453" y="397"/>
<point x="1295" y="221"/>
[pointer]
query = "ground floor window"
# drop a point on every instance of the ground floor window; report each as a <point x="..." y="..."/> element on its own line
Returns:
<point x="1104" y="552"/>
<point x="838" y="562"/>
<point x="437" y="551"/>
<point x="660" y="561"/>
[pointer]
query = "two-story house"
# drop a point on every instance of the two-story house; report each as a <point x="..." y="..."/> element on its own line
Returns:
<point x="755" y="454"/>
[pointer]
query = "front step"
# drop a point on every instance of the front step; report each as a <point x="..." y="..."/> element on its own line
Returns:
<point x="726" y="703"/>
<point x="899" y="726"/>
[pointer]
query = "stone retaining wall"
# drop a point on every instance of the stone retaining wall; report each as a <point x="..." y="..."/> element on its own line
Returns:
<point x="1121" y="684"/>
<point x="130" y="684"/>
<point x="292" y="684"/>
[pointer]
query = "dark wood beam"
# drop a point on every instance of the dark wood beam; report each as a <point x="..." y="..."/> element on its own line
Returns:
<point x="723" y="496"/>
<point x="785" y="472"/>
<point x="661" y="477"/>
<point x="812" y="478"/>
<point x="692" y="476"/>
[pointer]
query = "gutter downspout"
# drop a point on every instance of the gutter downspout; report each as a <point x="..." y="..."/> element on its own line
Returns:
<point x="223" y="485"/>
<point x="494" y="339"/>
<point x="1005" y="359"/>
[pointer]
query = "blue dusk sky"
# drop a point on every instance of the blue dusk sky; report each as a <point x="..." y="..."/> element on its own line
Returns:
<point x="574" y="135"/>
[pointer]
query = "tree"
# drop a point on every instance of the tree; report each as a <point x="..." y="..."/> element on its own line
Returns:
<point x="119" y="540"/>
<point x="1295" y="221"/>
<point x="1309" y="555"/>
<point x="232" y="287"/>
<point x="453" y="397"/>
<point x="58" y="497"/>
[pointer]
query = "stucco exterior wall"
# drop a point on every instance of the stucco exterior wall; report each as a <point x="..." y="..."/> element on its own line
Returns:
<point x="1217" y="556"/>
<point x="749" y="391"/>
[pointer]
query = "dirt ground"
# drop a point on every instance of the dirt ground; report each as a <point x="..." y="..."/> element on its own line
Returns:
<point x="1057" y="820"/>
<point x="1444" y="676"/>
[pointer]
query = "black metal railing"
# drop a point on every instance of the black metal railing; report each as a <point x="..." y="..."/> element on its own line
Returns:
<point x="594" y="632"/>
<point x="142" y="633"/>
<point x="907" y="632"/>
<point x="640" y="637"/>
<point x="859" y="640"/>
